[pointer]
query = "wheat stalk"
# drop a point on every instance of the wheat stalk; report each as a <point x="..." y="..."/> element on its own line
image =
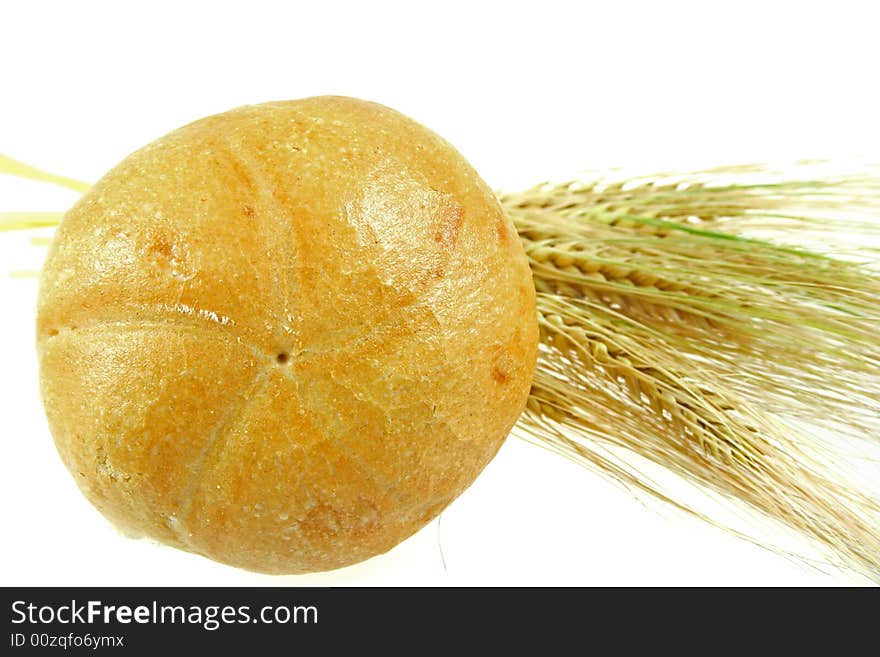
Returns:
<point x="672" y="333"/>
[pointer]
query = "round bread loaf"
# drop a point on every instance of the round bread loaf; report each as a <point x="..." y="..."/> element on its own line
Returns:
<point x="285" y="337"/>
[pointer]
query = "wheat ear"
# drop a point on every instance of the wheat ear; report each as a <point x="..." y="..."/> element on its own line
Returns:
<point x="683" y="324"/>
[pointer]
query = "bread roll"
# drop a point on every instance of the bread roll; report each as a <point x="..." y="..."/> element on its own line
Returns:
<point x="285" y="337"/>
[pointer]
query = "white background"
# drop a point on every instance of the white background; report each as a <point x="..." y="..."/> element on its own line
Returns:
<point x="525" y="91"/>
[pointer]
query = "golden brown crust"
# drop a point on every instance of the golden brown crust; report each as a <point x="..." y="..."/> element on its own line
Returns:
<point x="286" y="336"/>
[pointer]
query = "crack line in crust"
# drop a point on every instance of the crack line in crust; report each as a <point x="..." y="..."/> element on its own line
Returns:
<point x="218" y="436"/>
<point x="173" y="322"/>
<point x="366" y="470"/>
<point x="277" y="213"/>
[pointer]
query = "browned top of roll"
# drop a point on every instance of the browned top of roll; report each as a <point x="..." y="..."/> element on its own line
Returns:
<point x="286" y="336"/>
